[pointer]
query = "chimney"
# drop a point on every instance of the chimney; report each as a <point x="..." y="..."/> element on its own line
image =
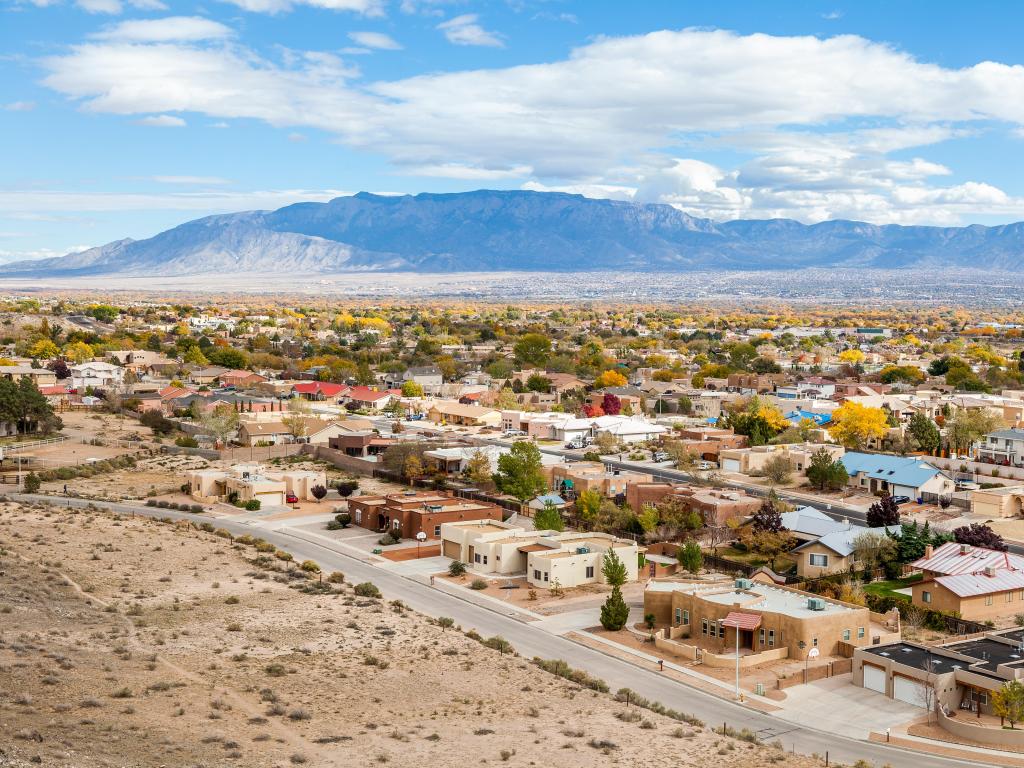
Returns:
<point x="928" y="551"/>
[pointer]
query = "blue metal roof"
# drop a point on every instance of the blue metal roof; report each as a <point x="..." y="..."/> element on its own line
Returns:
<point x="795" y="417"/>
<point x="901" y="470"/>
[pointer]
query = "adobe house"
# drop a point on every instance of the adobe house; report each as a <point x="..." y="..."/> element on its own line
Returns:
<point x="411" y="512"/>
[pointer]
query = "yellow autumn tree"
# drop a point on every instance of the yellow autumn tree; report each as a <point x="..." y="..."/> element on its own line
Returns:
<point x="610" y="378"/>
<point x="78" y="352"/>
<point x="851" y="356"/>
<point x="854" y="424"/>
<point x="43" y="349"/>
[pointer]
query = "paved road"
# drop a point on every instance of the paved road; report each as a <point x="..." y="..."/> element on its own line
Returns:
<point x="529" y="641"/>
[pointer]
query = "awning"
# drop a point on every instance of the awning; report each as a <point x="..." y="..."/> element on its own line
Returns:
<point x="535" y="548"/>
<point x="739" y="620"/>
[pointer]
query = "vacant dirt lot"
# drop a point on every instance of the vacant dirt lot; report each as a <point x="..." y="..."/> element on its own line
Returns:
<point x="129" y="642"/>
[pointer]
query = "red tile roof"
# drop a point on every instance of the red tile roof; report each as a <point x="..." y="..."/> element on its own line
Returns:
<point x="739" y="620"/>
<point x="367" y="395"/>
<point x="325" y="388"/>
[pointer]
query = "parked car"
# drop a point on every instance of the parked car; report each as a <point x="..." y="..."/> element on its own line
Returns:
<point x="514" y="433"/>
<point x="291" y="498"/>
<point x="901" y="499"/>
<point x="704" y="465"/>
<point x="659" y="456"/>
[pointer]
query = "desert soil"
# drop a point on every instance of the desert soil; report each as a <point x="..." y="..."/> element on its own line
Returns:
<point x="131" y="642"/>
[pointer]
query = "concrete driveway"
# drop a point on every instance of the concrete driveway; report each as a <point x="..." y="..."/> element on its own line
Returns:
<point x="425" y="566"/>
<point x="838" y="706"/>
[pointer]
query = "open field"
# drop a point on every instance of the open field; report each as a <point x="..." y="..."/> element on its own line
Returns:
<point x="134" y="642"/>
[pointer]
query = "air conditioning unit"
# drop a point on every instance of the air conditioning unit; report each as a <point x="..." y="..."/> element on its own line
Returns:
<point x="990" y="571"/>
<point x="744" y="583"/>
<point x="582" y="550"/>
<point x="815" y="604"/>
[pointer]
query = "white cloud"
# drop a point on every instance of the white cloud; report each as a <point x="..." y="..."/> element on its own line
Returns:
<point x="832" y="15"/>
<point x="814" y="119"/>
<point x="364" y="7"/>
<point x="296" y="137"/>
<point x="172" y="28"/>
<point x="19" y="106"/>
<point x="191" y="180"/>
<point x="377" y="40"/>
<point x="162" y="121"/>
<point x="464" y="30"/>
<point x="112" y="7"/>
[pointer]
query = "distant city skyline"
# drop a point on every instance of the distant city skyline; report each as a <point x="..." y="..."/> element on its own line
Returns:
<point x="121" y="118"/>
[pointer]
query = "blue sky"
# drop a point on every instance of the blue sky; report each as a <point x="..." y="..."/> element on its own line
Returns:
<point x="120" y="118"/>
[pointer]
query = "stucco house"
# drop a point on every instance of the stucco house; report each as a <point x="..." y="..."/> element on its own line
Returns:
<point x="882" y="474"/>
<point x="977" y="583"/>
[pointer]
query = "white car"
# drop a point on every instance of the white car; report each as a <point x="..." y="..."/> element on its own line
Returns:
<point x="704" y="465"/>
<point x="514" y="433"/>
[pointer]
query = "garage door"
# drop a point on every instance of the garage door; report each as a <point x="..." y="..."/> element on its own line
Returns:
<point x="731" y="465"/>
<point x="874" y="678"/>
<point x="909" y="691"/>
<point x="451" y="549"/>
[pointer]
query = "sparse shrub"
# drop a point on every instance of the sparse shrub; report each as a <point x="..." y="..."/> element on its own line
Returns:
<point x="478" y="584"/>
<point x="367" y="589"/>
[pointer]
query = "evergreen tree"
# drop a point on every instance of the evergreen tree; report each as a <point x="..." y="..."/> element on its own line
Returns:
<point x="614" y="612"/>
<point x="690" y="557"/>
<point x="548" y="519"/>
<point x="924" y="432"/>
<point x="519" y="471"/>
<point x="613" y="569"/>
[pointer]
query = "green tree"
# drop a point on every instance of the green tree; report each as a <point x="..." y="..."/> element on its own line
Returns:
<point x="194" y="356"/>
<point x="32" y="483"/>
<point x="548" y="518"/>
<point x="614" y="612"/>
<point x="613" y="569"/>
<point x="925" y="433"/>
<point x="411" y="388"/>
<point x="478" y="469"/>
<point x="229" y="357"/>
<point x="690" y="557"/>
<point x="532" y="349"/>
<point x="519" y="471"/>
<point x="824" y="472"/>
<point x="967" y="426"/>
<point x="588" y="504"/>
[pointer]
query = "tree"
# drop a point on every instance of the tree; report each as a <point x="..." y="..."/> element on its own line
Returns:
<point x="854" y="424"/>
<point x="411" y="388"/>
<point x="588" y="504"/>
<point x="221" y="421"/>
<point x="767" y="519"/>
<point x="478" y="469"/>
<point x="194" y="356"/>
<point x="457" y="568"/>
<point x="60" y="369"/>
<point x="824" y="472"/>
<point x="532" y="349"/>
<point x="610" y="378"/>
<point x="605" y="442"/>
<point x="873" y="550"/>
<point x="924" y="432"/>
<point x="413" y="467"/>
<point x="538" y="383"/>
<point x="318" y="492"/>
<point x="229" y="357"/>
<point x="614" y="612"/>
<point x="344" y="519"/>
<point x="770" y="544"/>
<point x="979" y="535"/>
<point x="506" y="400"/>
<point x="297" y="417"/>
<point x="1008" y="702"/>
<point x="44" y="349"/>
<point x="519" y="471"/>
<point x="548" y="518"/>
<point x="78" y="352"/>
<point x="967" y="426"/>
<point x="778" y="469"/>
<point x="852" y="356"/>
<point x="690" y="558"/>
<point x="883" y="513"/>
<point x="613" y="569"/>
<point x="611" y="404"/>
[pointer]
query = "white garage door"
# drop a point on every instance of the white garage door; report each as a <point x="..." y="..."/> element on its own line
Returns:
<point x="874" y="678"/>
<point x="731" y="465"/>
<point x="909" y="691"/>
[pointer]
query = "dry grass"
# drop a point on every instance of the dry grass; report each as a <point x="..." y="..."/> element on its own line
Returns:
<point x="118" y="650"/>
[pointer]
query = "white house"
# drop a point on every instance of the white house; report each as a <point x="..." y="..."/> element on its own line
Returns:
<point x="96" y="375"/>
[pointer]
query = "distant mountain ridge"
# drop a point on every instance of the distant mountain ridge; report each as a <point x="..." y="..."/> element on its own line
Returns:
<point x="488" y="231"/>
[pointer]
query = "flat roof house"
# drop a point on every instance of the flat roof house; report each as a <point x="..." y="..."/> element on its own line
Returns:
<point x="411" y="512"/>
<point x="464" y="415"/>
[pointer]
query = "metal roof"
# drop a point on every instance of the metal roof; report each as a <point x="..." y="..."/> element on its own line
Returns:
<point x="900" y="470"/>
<point x="973" y="584"/>
<point x="951" y="559"/>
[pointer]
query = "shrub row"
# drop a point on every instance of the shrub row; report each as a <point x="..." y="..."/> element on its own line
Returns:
<point x="164" y="504"/>
<point x="632" y="697"/>
<point x="86" y="470"/>
<point x="561" y="669"/>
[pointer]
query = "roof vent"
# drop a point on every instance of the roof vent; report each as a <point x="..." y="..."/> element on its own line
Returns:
<point x="964" y="549"/>
<point x="742" y="584"/>
<point x="815" y="604"/>
<point x="990" y="571"/>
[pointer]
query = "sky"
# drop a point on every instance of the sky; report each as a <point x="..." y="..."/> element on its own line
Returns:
<point x="122" y="118"/>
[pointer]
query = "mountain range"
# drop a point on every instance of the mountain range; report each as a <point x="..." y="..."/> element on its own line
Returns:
<point x="487" y="231"/>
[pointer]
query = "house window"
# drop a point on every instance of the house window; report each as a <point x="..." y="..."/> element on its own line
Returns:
<point x="485" y="559"/>
<point x="679" y="616"/>
<point x="860" y="633"/>
<point x="703" y="626"/>
<point x="359" y="517"/>
<point x="926" y="597"/>
<point x="814" y="642"/>
<point x="819" y="560"/>
<point x="983" y="698"/>
<point x="476" y="558"/>
<point x="396" y="524"/>
<point x="1009" y="597"/>
<point x="437" y="530"/>
<point x="846" y="635"/>
<point x="771" y="638"/>
<point x="988" y="599"/>
<point x="590" y="571"/>
<point x="760" y="637"/>
<point x="545" y="575"/>
<point x="686" y="618"/>
<point x="536" y="575"/>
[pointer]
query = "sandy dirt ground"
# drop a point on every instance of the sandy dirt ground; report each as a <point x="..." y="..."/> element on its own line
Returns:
<point x="129" y="642"/>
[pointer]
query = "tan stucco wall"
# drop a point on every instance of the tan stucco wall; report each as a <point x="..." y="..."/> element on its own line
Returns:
<point x="836" y="563"/>
<point x="970" y="608"/>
